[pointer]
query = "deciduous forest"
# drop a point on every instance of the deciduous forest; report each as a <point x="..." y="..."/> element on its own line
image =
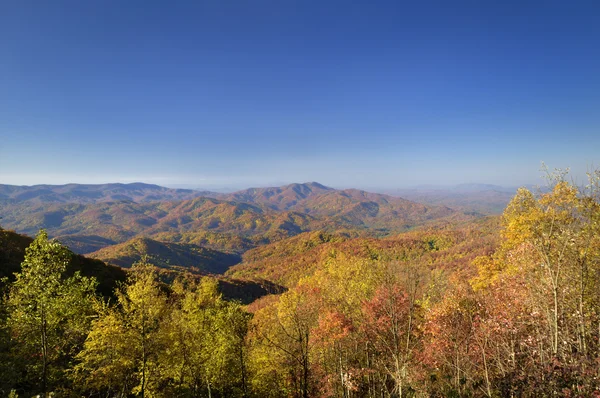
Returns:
<point x="471" y="306"/>
<point x="299" y="199"/>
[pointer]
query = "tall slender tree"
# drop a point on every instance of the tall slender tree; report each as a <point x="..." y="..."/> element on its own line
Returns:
<point x="121" y="353"/>
<point x="49" y="314"/>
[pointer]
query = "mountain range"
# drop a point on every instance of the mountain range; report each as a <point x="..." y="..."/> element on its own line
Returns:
<point x="476" y="198"/>
<point x="94" y="193"/>
<point x="87" y="220"/>
<point x="254" y="241"/>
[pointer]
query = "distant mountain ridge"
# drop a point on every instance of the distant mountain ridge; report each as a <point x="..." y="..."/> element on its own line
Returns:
<point x="95" y="193"/>
<point x="475" y="198"/>
<point x="465" y="187"/>
<point x="250" y="217"/>
<point x="348" y="207"/>
<point x="279" y="198"/>
<point x="476" y="187"/>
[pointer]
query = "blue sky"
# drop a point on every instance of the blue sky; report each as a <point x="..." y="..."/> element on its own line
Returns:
<point x="246" y="93"/>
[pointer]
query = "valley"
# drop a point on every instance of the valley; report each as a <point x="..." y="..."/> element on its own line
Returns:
<point x="271" y="284"/>
<point x="88" y="218"/>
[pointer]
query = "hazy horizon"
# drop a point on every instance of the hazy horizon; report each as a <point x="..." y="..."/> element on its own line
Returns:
<point x="231" y="184"/>
<point x="234" y="187"/>
<point x="217" y="94"/>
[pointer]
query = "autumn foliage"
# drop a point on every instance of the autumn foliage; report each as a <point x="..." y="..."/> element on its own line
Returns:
<point x="478" y="309"/>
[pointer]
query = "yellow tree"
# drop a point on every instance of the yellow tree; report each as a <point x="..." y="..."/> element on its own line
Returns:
<point x="551" y="243"/>
<point x="553" y="239"/>
<point x="121" y="352"/>
<point x="281" y="345"/>
<point x="205" y="353"/>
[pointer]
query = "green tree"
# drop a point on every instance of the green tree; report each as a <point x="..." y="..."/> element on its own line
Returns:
<point x="120" y="355"/>
<point x="8" y="370"/>
<point x="49" y="314"/>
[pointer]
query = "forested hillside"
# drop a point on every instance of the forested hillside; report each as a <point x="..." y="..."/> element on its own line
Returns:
<point x="165" y="255"/>
<point x="88" y="193"/>
<point x="89" y="223"/>
<point x="299" y="199"/>
<point x="493" y="306"/>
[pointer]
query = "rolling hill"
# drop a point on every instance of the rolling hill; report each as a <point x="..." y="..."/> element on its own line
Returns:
<point x="121" y="221"/>
<point x="166" y="255"/>
<point x="12" y="253"/>
<point x="372" y="210"/>
<point x="109" y="277"/>
<point x="348" y="207"/>
<point x="450" y="248"/>
<point x="250" y="217"/>
<point x="319" y="200"/>
<point x="95" y="193"/>
<point x="279" y="198"/>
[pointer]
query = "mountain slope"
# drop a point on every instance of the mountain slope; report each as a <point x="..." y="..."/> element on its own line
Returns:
<point x="166" y="255"/>
<point x="12" y="254"/>
<point x="120" y="221"/>
<point x="255" y="217"/>
<point x="109" y="277"/>
<point x="94" y="193"/>
<point x="349" y="207"/>
<point x="451" y="248"/>
<point x="279" y="198"/>
<point x="224" y="242"/>
<point x="361" y="208"/>
<point x="82" y="244"/>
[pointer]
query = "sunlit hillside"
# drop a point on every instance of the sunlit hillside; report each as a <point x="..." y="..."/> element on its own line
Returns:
<point x="299" y="199"/>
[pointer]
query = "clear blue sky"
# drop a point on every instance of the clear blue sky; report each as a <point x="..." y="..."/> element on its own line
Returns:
<point x="347" y="93"/>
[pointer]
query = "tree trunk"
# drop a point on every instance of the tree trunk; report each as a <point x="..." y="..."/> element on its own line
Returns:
<point x="485" y="367"/>
<point x="305" y="367"/>
<point x="244" y="388"/>
<point x="143" y="360"/>
<point x="208" y="386"/>
<point x="555" y="322"/>
<point x="44" y="353"/>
